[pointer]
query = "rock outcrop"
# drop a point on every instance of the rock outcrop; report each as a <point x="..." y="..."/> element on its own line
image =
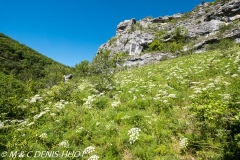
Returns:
<point x="148" y="58"/>
<point x="203" y="24"/>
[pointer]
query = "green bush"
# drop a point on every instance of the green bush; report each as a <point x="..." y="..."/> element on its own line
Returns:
<point x="82" y="69"/>
<point x="222" y="45"/>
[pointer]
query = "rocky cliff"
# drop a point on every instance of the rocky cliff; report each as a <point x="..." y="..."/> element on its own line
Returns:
<point x="206" y="23"/>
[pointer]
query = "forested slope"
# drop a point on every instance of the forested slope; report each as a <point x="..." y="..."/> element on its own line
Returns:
<point x="27" y="64"/>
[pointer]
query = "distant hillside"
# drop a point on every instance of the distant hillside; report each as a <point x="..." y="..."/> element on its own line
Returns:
<point x="26" y="64"/>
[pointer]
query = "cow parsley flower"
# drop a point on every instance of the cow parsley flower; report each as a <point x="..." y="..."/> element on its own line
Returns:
<point x="172" y="95"/>
<point x="89" y="101"/>
<point x="35" y="99"/>
<point x="234" y="75"/>
<point x="133" y="134"/>
<point x="64" y="144"/>
<point x="94" y="157"/>
<point x="40" y="115"/>
<point x="1" y="124"/>
<point x="115" y="104"/>
<point x="30" y="124"/>
<point x="52" y="114"/>
<point x="43" y="135"/>
<point x="197" y="90"/>
<point x="79" y="130"/>
<point x="183" y="143"/>
<point x="88" y="150"/>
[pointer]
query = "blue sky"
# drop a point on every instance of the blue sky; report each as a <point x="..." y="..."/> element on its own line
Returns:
<point x="70" y="31"/>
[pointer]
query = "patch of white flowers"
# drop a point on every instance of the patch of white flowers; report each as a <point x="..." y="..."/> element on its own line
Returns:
<point x="43" y="135"/>
<point x="61" y="104"/>
<point x="88" y="150"/>
<point x="40" y="115"/>
<point x="94" y="157"/>
<point x="172" y="95"/>
<point x="115" y="104"/>
<point x="133" y="134"/>
<point x="89" y="100"/>
<point x="183" y="143"/>
<point x="64" y="144"/>
<point x="79" y="130"/>
<point x="35" y="99"/>
<point x="30" y="124"/>
<point x="1" y="124"/>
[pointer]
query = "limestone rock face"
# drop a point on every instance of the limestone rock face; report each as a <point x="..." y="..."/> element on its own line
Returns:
<point x="202" y="23"/>
<point x="125" y="25"/>
<point x="147" y="59"/>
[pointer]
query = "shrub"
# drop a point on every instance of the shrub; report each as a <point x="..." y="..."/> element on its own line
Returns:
<point x="82" y="69"/>
<point x="112" y="40"/>
<point x="222" y="45"/>
<point x="102" y="70"/>
<point x="223" y="28"/>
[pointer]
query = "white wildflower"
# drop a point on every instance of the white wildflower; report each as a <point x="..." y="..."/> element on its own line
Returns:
<point x="133" y="134"/>
<point x="165" y="101"/>
<point x="165" y="93"/>
<point x="60" y="104"/>
<point x="234" y="75"/>
<point x="115" y="104"/>
<point x="79" y="130"/>
<point x="43" y="135"/>
<point x="226" y="96"/>
<point x="64" y="144"/>
<point x="220" y="132"/>
<point x="197" y="90"/>
<point x="101" y="94"/>
<point x="35" y="99"/>
<point x="94" y="157"/>
<point x="52" y="114"/>
<point x="236" y="60"/>
<point x="172" y="95"/>
<point x="191" y="96"/>
<point x="23" y="107"/>
<point x="108" y="126"/>
<point x="156" y="98"/>
<point x="125" y="117"/>
<point x="88" y="150"/>
<point x="89" y="101"/>
<point x="24" y="123"/>
<point x="1" y="124"/>
<point x="226" y="83"/>
<point x="228" y="72"/>
<point x="39" y="115"/>
<point x="30" y="124"/>
<point x="183" y="143"/>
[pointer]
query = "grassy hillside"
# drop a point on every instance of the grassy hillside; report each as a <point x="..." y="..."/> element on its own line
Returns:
<point x="22" y="72"/>
<point x="26" y="64"/>
<point x="184" y="108"/>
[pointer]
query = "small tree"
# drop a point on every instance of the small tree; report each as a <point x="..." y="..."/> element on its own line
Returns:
<point x="179" y="35"/>
<point x="82" y="69"/>
<point x="102" y="70"/>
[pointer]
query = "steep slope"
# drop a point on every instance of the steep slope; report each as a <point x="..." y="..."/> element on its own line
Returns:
<point x="183" y="108"/>
<point x="171" y="36"/>
<point x="25" y="63"/>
